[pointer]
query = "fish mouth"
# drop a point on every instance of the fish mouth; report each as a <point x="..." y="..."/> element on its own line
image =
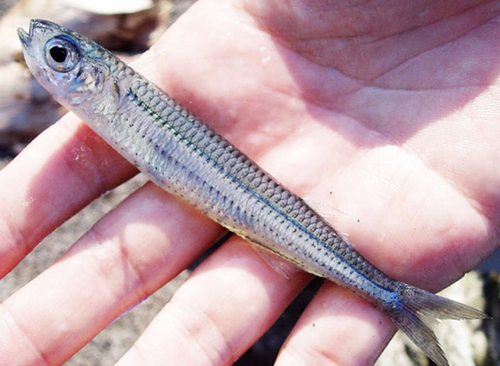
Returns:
<point x="38" y="25"/>
<point x="24" y="37"/>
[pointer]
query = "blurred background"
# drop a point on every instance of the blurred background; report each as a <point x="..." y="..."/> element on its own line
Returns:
<point x="128" y="28"/>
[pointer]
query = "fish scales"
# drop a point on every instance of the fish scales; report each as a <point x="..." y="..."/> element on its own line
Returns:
<point x="196" y="163"/>
<point x="272" y="213"/>
<point x="187" y="158"/>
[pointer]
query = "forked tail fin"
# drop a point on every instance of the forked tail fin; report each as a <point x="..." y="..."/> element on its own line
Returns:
<point x="419" y="311"/>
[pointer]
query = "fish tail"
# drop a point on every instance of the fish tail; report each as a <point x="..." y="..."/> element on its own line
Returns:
<point x="418" y="311"/>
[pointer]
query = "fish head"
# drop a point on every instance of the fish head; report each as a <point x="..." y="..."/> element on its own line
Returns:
<point x="64" y="62"/>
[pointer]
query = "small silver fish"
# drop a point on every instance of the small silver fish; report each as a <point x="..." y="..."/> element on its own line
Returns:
<point x="187" y="158"/>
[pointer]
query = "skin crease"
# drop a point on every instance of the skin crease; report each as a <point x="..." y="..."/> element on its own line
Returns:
<point x="385" y="111"/>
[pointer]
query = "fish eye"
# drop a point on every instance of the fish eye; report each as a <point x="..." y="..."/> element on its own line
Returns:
<point x="61" y="54"/>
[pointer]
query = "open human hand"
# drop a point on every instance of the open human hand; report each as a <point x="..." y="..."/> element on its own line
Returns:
<point x="385" y="112"/>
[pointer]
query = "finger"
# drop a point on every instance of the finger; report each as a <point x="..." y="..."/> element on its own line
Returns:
<point x="337" y="328"/>
<point x="129" y="254"/>
<point x="68" y="166"/>
<point x="54" y="177"/>
<point x="219" y="312"/>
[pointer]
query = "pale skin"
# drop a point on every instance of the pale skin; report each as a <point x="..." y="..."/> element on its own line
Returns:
<point x="387" y="112"/>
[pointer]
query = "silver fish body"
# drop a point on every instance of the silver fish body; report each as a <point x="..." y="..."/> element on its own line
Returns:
<point x="187" y="158"/>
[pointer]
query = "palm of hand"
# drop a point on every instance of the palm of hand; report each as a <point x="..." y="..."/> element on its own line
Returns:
<point x="395" y="125"/>
<point x="394" y="119"/>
